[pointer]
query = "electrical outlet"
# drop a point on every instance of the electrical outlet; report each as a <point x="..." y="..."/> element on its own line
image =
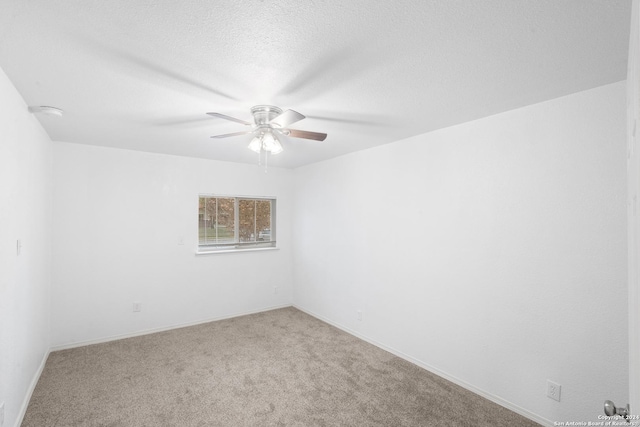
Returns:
<point x="137" y="307"/>
<point x="553" y="390"/>
<point x="360" y="315"/>
<point x="1" y="414"/>
<point x="275" y="289"/>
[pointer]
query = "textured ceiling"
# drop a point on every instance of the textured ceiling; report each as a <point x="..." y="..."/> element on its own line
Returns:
<point x="140" y="74"/>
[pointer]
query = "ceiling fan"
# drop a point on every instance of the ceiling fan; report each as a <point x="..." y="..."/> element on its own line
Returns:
<point x="268" y="123"/>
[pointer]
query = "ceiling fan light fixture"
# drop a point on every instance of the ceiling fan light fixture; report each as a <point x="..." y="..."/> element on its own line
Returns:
<point x="271" y="144"/>
<point x="277" y="147"/>
<point x="256" y="144"/>
<point x="267" y="142"/>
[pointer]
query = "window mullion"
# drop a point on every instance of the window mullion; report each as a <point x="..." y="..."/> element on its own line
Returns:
<point x="236" y="216"/>
<point x="204" y="220"/>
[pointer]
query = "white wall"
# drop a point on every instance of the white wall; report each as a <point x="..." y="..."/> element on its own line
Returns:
<point x="25" y="215"/>
<point x="493" y="252"/>
<point x="118" y="218"/>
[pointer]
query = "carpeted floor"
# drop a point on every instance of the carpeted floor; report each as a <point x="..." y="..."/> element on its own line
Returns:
<point x="277" y="368"/>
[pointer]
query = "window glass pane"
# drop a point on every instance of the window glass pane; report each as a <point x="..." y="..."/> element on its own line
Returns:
<point x="247" y="229"/>
<point x="206" y="220"/>
<point x="225" y="220"/>
<point x="263" y="220"/>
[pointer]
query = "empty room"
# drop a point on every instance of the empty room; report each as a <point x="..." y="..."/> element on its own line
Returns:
<point x="319" y="213"/>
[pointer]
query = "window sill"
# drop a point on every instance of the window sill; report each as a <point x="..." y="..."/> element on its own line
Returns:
<point x="228" y="251"/>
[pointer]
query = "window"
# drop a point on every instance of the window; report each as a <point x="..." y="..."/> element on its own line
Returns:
<point x="231" y="223"/>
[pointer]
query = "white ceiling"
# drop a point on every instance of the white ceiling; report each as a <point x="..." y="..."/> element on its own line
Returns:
<point x="140" y="74"/>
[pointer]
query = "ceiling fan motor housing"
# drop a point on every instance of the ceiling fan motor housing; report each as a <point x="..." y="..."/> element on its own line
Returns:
<point x="263" y="114"/>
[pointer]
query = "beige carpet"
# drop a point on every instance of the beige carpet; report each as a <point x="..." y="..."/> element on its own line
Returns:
<point x="277" y="368"/>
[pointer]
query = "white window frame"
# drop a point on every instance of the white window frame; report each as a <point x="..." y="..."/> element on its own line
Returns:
<point x="238" y="246"/>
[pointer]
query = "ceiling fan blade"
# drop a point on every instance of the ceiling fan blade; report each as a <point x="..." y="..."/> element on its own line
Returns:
<point x="286" y="118"/>
<point x="233" y="119"/>
<point x="295" y="133"/>
<point x="227" y="135"/>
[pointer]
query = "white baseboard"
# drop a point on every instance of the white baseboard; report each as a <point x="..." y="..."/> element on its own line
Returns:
<point x="32" y="387"/>
<point x="495" y="399"/>
<point x="161" y="329"/>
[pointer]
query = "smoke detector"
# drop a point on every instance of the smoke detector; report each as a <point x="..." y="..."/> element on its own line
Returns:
<point x="49" y="111"/>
